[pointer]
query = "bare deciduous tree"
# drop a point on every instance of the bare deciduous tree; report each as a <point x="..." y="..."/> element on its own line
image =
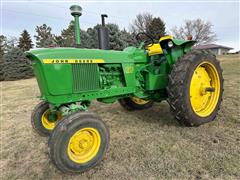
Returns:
<point x="200" y="30"/>
<point x="145" y="22"/>
<point x="141" y="23"/>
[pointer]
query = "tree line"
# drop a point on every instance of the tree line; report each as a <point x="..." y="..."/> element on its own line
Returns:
<point x="14" y="65"/>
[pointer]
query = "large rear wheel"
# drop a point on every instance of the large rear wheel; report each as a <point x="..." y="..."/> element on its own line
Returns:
<point x="195" y="88"/>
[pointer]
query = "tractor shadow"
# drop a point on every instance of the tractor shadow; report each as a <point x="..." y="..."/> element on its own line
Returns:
<point x="159" y="114"/>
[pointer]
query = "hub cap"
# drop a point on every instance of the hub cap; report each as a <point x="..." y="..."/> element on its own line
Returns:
<point x="84" y="145"/>
<point x="139" y="101"/>
<point x="47" y="123"/>
<point x="204" y="89"/>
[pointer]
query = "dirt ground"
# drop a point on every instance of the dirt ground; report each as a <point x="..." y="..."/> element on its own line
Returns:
<point x="146" y="144"/>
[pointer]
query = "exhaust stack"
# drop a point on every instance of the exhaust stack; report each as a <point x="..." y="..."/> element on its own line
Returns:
<point x="103" y="34"/>
<point x="76" y="12"/>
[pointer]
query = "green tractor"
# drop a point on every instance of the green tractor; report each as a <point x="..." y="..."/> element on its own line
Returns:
<point x="70" y="78"/>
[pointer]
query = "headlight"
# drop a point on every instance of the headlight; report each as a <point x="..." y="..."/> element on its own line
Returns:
<point x="170" y="44"/>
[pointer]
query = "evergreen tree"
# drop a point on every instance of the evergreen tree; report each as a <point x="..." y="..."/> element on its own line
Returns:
<point x="59" y="40"/>
<point x="115" y="41"/>
<point x="93" y="37"/>
<point x="8" y="43"/>
<point x="128" y="38"/>
<point x="67" y="38"/>
<point x="156" y="28"/>
<point x="84" y="39"/>
<point x="16" y="65"/>
<point x="118" y="40"/>
<point x="25" y="42"/>
<point x="68" y="35"/>
<point x="44" y="37"/>
<point x="2" y="46"/>
<point x="2" y="51"/>
<point x="89" y="39"/>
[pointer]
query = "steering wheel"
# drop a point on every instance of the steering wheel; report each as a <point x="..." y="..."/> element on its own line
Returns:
<point x="145" y="38"/>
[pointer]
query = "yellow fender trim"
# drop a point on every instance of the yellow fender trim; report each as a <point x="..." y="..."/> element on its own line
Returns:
<point x="165" y="38"/>
<point x="156" y="48"/>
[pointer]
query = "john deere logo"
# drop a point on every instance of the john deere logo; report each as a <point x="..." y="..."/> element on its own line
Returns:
<point x="71" y="61"/>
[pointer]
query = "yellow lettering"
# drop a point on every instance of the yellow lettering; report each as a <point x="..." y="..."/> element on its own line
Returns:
<point x="72" y="61"/>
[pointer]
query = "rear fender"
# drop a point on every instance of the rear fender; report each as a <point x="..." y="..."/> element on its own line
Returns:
<point x="179" y="48"/>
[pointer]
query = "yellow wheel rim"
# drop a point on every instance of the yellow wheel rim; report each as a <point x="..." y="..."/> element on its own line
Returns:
<point x="84" y="145"/>
<point x="204" y="89"/>
<point x="139" y="101"/>
<point x="48" y="124"/>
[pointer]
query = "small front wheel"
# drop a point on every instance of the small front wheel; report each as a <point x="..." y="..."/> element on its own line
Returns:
<point x="78" y="142"/>
<point x="41" y="121"/>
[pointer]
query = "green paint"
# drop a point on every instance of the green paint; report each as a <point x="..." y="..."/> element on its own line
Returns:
<point x="71" y="108"/>
<point x="52" y="117"/>
<point x="123" y="73"/>
<point x="114" y="75"/>
<point x="77" y="30"/>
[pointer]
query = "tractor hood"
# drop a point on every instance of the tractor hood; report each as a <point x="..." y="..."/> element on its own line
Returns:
<point x="56" y="68"/>
<point x="70" y="55"/>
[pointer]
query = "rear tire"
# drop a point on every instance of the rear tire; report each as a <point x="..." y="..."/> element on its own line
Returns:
<point x="78" y="142"/>
<point x="195" y="88"/>
<point x="131" y="104"/>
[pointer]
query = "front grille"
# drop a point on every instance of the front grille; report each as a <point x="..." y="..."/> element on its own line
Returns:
<point x="85" y="77"/>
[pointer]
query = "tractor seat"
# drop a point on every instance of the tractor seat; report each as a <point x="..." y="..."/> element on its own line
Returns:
<point x="156" y="48"/>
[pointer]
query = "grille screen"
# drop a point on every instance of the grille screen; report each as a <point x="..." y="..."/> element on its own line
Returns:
<point x="85" y="77"/>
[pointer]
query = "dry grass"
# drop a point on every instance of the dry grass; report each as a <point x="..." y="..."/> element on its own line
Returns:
<point x="144" y="145"/>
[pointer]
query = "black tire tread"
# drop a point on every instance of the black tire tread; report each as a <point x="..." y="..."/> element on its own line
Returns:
<point x="36" y="114"/>
<point x="177" y="86"/>
<point x="63" y="126"/>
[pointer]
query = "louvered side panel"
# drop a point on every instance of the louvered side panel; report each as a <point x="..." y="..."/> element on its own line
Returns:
<point x="85" y="77"/>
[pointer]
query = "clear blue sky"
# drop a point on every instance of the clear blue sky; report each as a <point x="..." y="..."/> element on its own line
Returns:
<point x="19" y="15"/>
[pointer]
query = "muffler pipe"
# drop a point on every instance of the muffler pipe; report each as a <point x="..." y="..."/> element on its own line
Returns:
<point x="103" y="34"/>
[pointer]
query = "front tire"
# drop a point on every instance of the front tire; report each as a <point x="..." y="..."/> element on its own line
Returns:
<point x="78" y="142"/>
<point x="40" y="121"/>
<point x="195" y="88"/>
